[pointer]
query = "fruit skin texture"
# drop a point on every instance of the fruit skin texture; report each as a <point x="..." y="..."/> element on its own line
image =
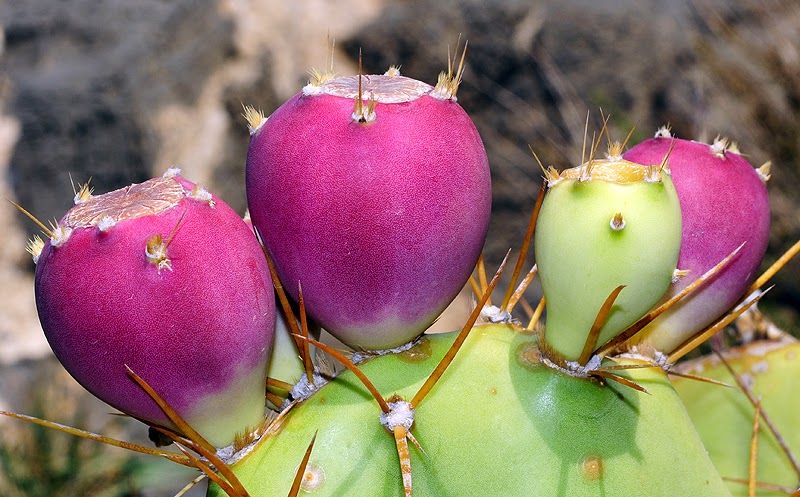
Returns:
<point x="200" y="334"/>
<point x="381" y="222"/>
<point x="495" y="425"/>
<point x="724" y="202"/>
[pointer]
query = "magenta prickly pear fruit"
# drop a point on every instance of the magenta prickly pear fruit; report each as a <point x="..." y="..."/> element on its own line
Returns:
<point x="379" y="212"/>
<point x="724" y="203"/>
<point x="164" y="278"/>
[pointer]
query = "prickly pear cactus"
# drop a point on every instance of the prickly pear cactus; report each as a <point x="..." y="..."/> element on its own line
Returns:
<point x="371" y="195"/>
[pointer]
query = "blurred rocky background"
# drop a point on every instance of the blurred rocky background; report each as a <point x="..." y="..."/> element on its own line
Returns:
<point x="118" y="91"/>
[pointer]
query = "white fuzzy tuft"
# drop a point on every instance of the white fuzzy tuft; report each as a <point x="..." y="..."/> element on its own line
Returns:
<point x="392" y="71"/>
<point x="60" y="235"/>
<point x="719" y="147"/>
<point x="106" y="223"/>
<point x="202" y="195"/>
<point x="574" y="368"/>
<point x="311" y="90"/>
<point x="760" y="367"/>
<point x="618" y="222"/>
<point x="663" y="132"/>
<point x="362" y="356"/>
<point x="443" y="94"/>
<point x="679" y="274"/>
<point x="493" y="314"/>
<point x="304" y="389"/>
<point x="365" y="116"/>
<point x="401" y="413"/>
<point x="171" y="172"/>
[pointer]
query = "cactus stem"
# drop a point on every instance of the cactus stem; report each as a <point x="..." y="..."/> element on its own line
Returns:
<point x="191" y="485"/>
<point x="401" y="439"/>
<point x="633" y="329"/>
<point x="599" y="321"/>
<point x="183" y="461"/>
<point x="526" y="243"/>
<point x="517" y="295"/>
<point x="304" y="331"/>
<point x="698" y="338"/>
<point x="536" y="315"/>
<point x="753" y="466"/>
<point x="352" y="367"/>
<point x="301" y="471"/>
<point x="41" y="225"/>
<point x="437" y="373"/>
<point x="757" y="405"/>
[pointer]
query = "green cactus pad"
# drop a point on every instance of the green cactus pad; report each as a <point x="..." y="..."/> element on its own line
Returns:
<point x="497" y="424"/>
<point x="724" y="417"/>
<point x="602" y="225"/>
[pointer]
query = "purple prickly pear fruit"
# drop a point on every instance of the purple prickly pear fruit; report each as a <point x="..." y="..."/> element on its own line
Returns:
<point x="724" y="203"/>
<point x="380" y="213"/>
<point x="164" y="278"/>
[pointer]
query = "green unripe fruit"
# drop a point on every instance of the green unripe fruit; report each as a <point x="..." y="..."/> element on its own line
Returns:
<point x="499" y="423"/>
<point x="605" y="224"/>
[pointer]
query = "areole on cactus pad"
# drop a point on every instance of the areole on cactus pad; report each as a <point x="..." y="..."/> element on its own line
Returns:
<point x="373" y="193"/>
<point x="166" y="279"/>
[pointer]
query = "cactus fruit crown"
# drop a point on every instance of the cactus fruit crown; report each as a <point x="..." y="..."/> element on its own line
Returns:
<point x="572" y="406"/>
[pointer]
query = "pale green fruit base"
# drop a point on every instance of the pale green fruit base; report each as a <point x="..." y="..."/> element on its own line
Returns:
<point x="724" y="416"/>
<point x="495" y="425"/>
